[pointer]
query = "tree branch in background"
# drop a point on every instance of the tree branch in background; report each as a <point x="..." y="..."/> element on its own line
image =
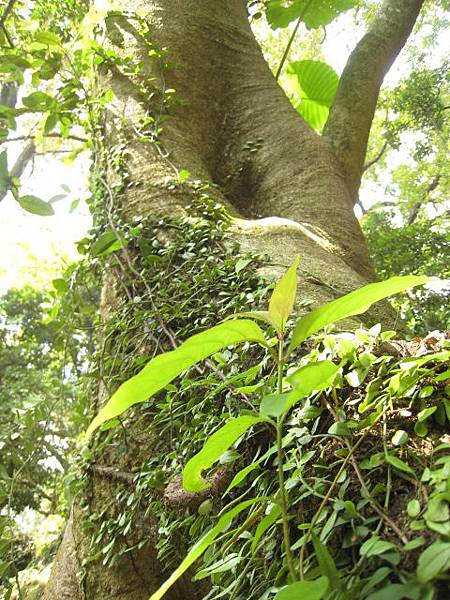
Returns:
<point x="3" y="18"/>
<point x="19" y="167"/>
<point x="361" y="206"/>
<point x="351" y="115"/>
<point x="416" y="207"/>
<point x="7" y="11"/>
<point x="376" y="158"/>
<point x="7" y="36"/>
<point x="22" y="138"/>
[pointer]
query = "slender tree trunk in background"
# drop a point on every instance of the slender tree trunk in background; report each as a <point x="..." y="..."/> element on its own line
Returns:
<point x="231" y="125"/>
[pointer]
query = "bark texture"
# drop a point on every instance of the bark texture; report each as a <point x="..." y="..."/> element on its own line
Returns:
<point x="351" y="115"/>
<point x="230" y="125"/>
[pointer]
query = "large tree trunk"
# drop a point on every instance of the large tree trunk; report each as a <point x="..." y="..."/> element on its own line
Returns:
<point x="230" y="125"/>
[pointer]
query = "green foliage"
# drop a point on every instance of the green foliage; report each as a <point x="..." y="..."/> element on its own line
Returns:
<point x="347" y="386"/>
<point x="416" y="248"/>
<point x="215" y="447"/>
<point x="419" y="103"/>
<point x="40" y="416"/>
<point x="434" y="561"/>
<point x="165" y="367"/>
<point x="203" y="543"/>
<point x="195" y="280"/>
<point x="313" y="84"/>
<point x="316" y="376"/>
<point x="407" y="230"/>
<point x="355" y="303"/>
<point x="314" y="14"/>
<point x="36" y="206"/>
<point x="304" y="590"/>
<point x="283" y="298"/>
<point x="306" y="381"/>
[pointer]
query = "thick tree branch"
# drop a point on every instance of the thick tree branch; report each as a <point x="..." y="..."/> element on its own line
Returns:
<point x="352" y="113"/>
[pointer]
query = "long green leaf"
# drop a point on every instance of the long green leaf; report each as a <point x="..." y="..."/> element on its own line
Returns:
<point x="273" y="405"/>
<point x="283" y="296"/>
<point x="243" y="473"/>
<point x="398" y="591"/>
<point x="203" y="543"/>
<point x="304" y="590"/>
<point x="215" y="446"/>
<point x="314" y="113"/>
<point x="354" y="303"/>
<point x="4" y="173"/>
<point x="326" y="562"/>
<point x="36" y="206"/>
<point x="104" y="242"/>
<point x="164" y="368"/>
<point x="255" y="315"/>
<point x="434" y="560"/>
<point x="264" y="525"/>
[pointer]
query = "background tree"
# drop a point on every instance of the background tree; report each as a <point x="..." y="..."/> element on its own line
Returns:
<point x="40" y="416"/>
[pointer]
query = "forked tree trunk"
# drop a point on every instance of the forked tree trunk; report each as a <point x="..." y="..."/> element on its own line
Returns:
<point x="229" y="124"/>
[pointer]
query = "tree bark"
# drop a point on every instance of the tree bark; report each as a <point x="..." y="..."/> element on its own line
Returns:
<point x="232" y="126"/>
<point x="351" y="115"/>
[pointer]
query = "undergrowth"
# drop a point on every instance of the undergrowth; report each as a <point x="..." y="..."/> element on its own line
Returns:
<point x="381" y="510"/>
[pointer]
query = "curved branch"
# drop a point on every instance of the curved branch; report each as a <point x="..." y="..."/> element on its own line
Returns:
<point x="354" y="106"/>
<point x="19" y="167"/>
<point x="416" y="207"/>
<point x="7" y="11"/>
<point x="376" y="158"/>
<point x="3" y="18"/>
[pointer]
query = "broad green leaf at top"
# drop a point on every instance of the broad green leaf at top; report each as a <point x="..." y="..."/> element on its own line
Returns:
<point x="314" y="13"/>
<point x="165" y="367"/>
<point x="313" y="84"/>
<point x="213" y="449"/>
<point x="283" y="297"/>
<point x="351" y="304"/>
<point x="313" y="79"/>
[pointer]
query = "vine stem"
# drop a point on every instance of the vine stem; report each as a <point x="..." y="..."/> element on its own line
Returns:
<point x="376" y="507"/>
<point x="291" y="39"/>
<point x="330" y="491"/>
<point x="283" y="495"/>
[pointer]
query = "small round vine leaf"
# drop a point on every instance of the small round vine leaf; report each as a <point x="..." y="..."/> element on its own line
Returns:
<point x="413" y="508"/>
<point x="400" y="438"/>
